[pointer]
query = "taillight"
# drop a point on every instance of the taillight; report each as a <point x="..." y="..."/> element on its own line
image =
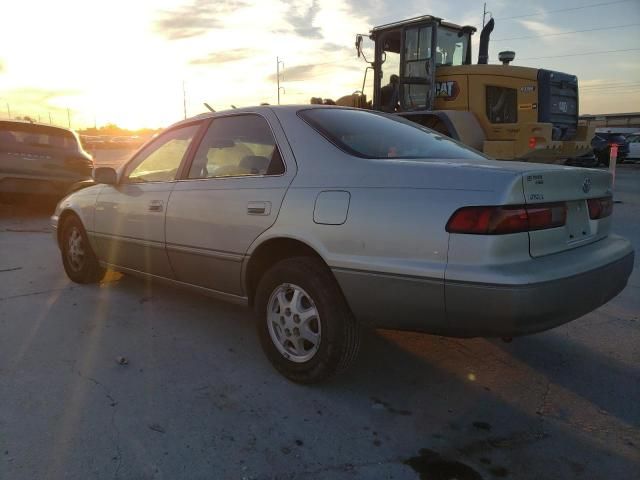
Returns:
<point x="79" y="164"/>
<point x="548" y="215"/>
<point x="600" y="207"/>
<point x="507" y="219"/>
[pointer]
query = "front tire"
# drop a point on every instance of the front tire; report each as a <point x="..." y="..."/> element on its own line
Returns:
<point x="79" y="261"/>
<point x="305" y="326"/>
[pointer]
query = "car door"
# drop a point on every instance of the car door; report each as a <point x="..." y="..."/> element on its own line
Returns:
<point x="634" y="146"/>
<point x="231" y="194"/>
<point x="129" y="216"/>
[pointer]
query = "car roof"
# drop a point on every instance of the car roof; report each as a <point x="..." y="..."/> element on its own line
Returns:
<point x="36" y="124"/>
<point x="258" y="109"/>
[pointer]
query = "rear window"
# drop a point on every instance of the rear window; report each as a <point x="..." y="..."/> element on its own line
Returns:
<point x="12" y="134"/>
<point x="374" y="135"/>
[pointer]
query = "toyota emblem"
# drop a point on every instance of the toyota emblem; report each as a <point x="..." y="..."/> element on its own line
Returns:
<point x="586" y="185"/>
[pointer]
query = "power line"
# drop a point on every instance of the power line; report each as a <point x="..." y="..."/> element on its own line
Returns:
<point x="616" y="89"/>
<point x="593" y="5"/>
<point x="335" y="62"/>
<point x="566" y="33"/>
<point x="598" y="85"/>
<point x="582" y="54"/>
<point x="611" y="86"/>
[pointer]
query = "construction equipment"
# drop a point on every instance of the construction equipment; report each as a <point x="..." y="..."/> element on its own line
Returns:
<point x="423" y="71"/>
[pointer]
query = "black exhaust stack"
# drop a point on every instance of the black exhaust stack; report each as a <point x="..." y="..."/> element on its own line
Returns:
<point x="483" y="50"/>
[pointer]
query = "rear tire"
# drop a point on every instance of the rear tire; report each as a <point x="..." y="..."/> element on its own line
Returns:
<point x="304" y="323"/>
<point x="79" y="261"/>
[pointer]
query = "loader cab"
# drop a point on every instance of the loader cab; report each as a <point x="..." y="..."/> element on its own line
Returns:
<point x="407" y="54"/>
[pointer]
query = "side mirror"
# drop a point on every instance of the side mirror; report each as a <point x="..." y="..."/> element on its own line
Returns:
<point x="105" y="175"/>
<point x="359" y="45"/>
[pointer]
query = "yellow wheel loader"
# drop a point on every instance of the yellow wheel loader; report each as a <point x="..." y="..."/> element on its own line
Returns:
<point x="422" y="70"/>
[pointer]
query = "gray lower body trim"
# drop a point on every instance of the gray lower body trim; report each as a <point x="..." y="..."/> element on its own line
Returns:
<point x="137" y="254"/>
<point x="206" y="252"/>
<point x="236" y="299"/>
<point x="479" y="310"/>
<point x="210" y="269"/>
<point x="461" y="309"/>
<point x="393" y="301"/>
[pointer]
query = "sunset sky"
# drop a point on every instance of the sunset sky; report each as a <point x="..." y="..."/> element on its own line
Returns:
<point x="125" y="61"/>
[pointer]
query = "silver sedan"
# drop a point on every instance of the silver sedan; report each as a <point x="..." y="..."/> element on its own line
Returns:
<point x="327" y="219"/>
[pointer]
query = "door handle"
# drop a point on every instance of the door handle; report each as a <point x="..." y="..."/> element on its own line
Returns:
<point x="259" y="208"/>
<point x="156" y="205"/>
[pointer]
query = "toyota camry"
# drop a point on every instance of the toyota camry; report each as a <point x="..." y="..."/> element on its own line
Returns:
<point x="327" y="219"/>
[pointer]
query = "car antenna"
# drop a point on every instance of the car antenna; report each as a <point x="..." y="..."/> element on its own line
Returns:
<point x="209" y="107"/>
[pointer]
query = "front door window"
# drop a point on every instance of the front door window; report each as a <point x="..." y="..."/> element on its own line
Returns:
<point x="159" y="161"/>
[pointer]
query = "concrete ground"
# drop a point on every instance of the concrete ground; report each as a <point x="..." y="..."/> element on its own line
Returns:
<point x="197" y="399"/>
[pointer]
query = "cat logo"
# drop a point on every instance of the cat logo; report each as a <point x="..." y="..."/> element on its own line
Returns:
<point x="447" y="90"/>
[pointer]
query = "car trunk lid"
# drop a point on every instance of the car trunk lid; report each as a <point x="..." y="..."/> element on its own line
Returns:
<point x="574" y="187"/>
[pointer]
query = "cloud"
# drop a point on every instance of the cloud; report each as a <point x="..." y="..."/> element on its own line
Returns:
<point x="336" y="48"/>
<point x="301" y="19"/>
<point x="40" y="95"/>
<point x="539" y="28"/>
<point x="196" y="18"/>
<point x="296" y="73"/>
<point x="310" y="71"/>
<point x="224" y="56"/>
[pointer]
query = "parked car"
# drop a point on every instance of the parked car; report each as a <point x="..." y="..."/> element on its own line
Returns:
<point x="634" y="146"/>
<point x="125" y="142"/>
<point x="40" y="159"/>
<point x="92" y="141"/>
<point x="601" y="144"/>
<point x="325" y="219"/>
<point x="588" y="160"/>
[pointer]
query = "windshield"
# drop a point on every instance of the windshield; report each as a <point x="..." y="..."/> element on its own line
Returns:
<point x="374" y="135"/>
<point x="452" y="48"/>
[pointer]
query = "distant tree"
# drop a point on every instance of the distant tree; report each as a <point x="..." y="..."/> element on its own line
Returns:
<point x="113" y="130"/>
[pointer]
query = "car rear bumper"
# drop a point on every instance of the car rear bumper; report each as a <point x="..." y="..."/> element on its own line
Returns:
<point x="511" y="310"/>
<point x="551" y="291"/>
<point x="35" y="186"/>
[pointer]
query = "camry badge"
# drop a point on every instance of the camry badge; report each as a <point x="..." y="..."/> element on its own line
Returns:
<point x="586" y="185"/>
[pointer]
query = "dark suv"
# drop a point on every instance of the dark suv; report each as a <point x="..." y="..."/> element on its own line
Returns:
<point x="40" y="159"/>
<point x="601" y="145"/>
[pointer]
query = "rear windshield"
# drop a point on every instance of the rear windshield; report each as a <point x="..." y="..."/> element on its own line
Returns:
<point x="12" y="134"/>
<point x="373" y="135"/>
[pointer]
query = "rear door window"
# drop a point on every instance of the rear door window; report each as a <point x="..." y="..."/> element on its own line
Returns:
<point x="237" y="146"/>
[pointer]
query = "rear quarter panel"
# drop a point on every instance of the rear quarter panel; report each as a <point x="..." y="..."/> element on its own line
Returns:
<point x="392" y="249"/>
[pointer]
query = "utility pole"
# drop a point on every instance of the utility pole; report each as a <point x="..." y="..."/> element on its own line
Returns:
<point x="484" y="13"/>
<point x="50" y="122"/>
<point x="69" y="117"/>
<point x="8" y="110"/>
<point x="184" y="100"/>
<point x="278" y="62"/>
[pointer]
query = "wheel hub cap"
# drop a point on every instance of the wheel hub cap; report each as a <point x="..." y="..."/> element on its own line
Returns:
<point x="294" y="323"/>
<point x="75" y="250"/>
